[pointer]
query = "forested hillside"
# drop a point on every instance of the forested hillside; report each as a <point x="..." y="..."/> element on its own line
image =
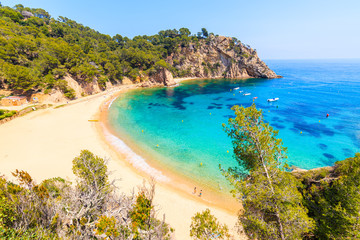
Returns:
<point x="38" y="51"/>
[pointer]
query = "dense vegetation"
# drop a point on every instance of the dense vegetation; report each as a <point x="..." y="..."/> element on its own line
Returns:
<point x="332" y="196"/>
<point x="205" y="226"/>
<point x="6" y="113"/>
<point x="36" y="51"/>
<point x="278" y="204"/>
<point x="56" y="209"/>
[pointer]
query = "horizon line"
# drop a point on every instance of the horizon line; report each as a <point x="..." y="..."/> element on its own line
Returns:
<point x="264" y="59"/>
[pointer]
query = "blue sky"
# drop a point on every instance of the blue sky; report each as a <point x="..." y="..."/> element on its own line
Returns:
<point x="278" y="29"/>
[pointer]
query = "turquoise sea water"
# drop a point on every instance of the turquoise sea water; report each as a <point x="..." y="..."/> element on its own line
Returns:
<point x="186" y="121"/>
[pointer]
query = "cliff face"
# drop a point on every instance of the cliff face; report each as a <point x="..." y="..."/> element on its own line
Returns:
<point x="162" y="77"/>
<point x="219" y="57"/>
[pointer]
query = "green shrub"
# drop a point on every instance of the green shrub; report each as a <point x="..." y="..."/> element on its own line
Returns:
<point x="102" y="82"/>
<point x="206" y="226"/>
<point x="5" y="114"/>
<point x="70" y="93"/>
<point x="176" y="62"/>
<point x="206" y="71"/>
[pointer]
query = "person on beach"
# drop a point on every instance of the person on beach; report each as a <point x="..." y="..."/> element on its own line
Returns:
<point x="200" y="193"/>
<point x="194" y="190"/>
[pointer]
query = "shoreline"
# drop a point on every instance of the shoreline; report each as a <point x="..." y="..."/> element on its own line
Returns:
<point x="145" y="165"/>
<point x="49" y="139"/>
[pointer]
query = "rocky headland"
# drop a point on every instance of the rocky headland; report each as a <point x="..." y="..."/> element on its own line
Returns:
<point x="220" y="57"/>
<point x="64" y="60"/>
<point x="214" y="57"/>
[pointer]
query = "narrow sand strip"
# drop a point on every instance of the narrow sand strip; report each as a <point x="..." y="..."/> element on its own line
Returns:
<point x="45" y="142"/>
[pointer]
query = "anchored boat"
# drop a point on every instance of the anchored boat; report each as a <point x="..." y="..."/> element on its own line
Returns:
<point x="273" y="99"/>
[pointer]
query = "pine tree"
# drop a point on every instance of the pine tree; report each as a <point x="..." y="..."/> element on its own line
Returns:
<point x="272" y="204"/>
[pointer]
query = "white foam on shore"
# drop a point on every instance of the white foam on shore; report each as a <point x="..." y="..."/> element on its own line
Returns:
<point x="172" y="86"/>
<point x="131" y="157"/>
<point x="111" y="103"/>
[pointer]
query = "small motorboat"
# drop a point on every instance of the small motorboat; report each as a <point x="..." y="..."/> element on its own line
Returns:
<point x="236" y="88"/>
<point x="273" y="99"/>
<point x="255" y="97"/>
<point x="241" y="91"/>
<point x="247" y="94"/>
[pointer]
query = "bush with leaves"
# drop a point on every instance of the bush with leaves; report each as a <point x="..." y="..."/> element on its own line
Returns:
<point x="332" y="196"/>
<point x="91" y="209"/>
<point x="26" y="209"/>
<point x="206" y="226"/>
<point x="6" y="113"/>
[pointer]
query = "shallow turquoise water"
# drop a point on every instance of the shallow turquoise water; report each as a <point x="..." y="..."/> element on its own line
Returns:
<point x="179" y="120"/>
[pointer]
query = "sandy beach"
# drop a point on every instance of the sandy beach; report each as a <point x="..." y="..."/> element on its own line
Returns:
<point x="44" y="143"/>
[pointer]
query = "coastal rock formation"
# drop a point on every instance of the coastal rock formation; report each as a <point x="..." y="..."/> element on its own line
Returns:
<point x="82" y="88"/>
<point x="162" y="77"/>
<point x="126" y="81"/>
<point x="213" y="57"/>
<point x="219" y="57"/>
<point x="90" y="88"/>
<point x="27" y="14"/>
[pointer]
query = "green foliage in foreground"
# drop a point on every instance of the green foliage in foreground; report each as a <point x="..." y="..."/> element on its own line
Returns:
<point x="91" y="171"/>
<point x="333" y="199"/>
<point x="272" y="204"/>
<point x="206" y="226"/>
<point x="6" y="113"/>
<point x="92" y="209"/>
<point x="315" y="204"/>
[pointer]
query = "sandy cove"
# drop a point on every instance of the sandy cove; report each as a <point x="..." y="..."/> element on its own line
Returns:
<point x="45" y="142"/>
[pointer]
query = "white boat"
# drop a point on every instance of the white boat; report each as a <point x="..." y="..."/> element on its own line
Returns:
<point x="240" y="91"/>
<point x="247" y="94"/>
<point x="236" y="88"/>
<point x="273" y="99"/>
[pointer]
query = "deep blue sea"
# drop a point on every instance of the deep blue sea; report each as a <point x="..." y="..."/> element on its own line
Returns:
<point x="181" y="127"/>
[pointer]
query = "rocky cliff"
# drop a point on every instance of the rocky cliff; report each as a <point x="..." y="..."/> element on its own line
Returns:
<point x="219" y="57"/>
<point x="212" y="57"/>
<point x="162" y="77"/>
<point x="66" y="57"/>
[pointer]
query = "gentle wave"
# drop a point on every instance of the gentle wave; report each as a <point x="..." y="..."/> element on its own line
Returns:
<point x="131" y="157"/>
<point x="111" y="103"/>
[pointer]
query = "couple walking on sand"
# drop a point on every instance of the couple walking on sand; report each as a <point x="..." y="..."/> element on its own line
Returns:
<point x="200" y="194"/>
